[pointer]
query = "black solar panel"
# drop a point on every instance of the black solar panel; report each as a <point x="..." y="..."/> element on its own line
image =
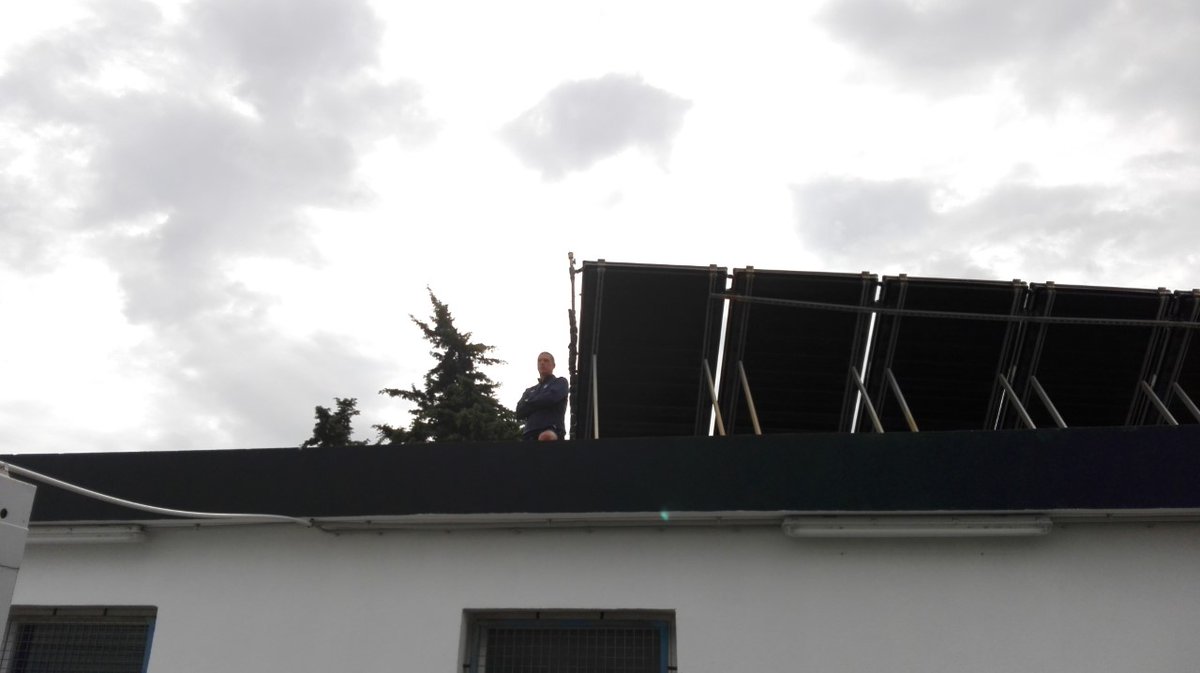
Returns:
<point x="1091" y="372"/>
<point x="650" y="328"/>
<point x="945" y="367"/>
<point x="796" y="360"/>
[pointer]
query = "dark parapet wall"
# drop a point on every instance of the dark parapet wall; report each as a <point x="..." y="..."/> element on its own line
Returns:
<point x="649" y="329"/>
<point x="1104" y="469"/>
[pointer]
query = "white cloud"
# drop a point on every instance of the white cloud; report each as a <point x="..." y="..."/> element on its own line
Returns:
<point x="169" y="184"/>
<point x="1069" y="234"/>
<point x="581" y="122"/>
<point x="1133" y="60"/>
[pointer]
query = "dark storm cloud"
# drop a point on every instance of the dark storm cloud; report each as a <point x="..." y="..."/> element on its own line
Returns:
<point x="1133" y="59"/>
<point x="1065" y="233"/>
<point x="245" y="114"/>
<point x="579" y="123"/>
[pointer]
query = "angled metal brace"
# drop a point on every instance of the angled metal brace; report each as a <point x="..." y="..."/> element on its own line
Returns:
<point x="1158" y="404"/>
<point x="1045" y="397"/>
<point x="891" y="379"/>
<point x="862" y="390"/>
<point x="712" y="391"/>
<point x="1187" y="401"/>
<point x="749" y="399"/>
<point x="1016" y="402"/>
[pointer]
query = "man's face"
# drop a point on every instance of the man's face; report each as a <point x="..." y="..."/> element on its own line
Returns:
<point x="545" y="364"/>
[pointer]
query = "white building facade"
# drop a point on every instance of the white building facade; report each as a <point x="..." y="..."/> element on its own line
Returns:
<point x="1086" y="597"/>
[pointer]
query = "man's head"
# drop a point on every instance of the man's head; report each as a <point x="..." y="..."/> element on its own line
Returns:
<point x="545" y="364"/>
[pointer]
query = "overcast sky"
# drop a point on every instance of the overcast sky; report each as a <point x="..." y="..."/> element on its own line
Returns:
<point x="217" y="214"/>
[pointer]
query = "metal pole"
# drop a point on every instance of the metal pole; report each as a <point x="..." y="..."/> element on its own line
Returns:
<point x="712" y="391"/>
<point x="749" y="399"/>
<point x="595" y="402"/>
<point x="891" y="379"/>
<point x="862" y="390"/>
<point x="1045" y="397"/>
<point x="1158" y="404"/>
<point x="1187" y="401"/>
<point x="1016" y="402"/>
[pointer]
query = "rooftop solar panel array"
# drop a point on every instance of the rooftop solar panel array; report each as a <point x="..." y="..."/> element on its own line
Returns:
<point x="827" y="352"/>
<point x="649" y="329"/>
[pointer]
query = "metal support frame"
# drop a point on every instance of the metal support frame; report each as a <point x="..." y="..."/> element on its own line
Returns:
<point x="858" y="349"/>
<point x="1016" y="402"/>
<point x="592" y="422"/>
<point x="737" y="336"/>
<point x="889" y="353"/>
<point x="1045" y="397"/>
<point x="862" y="390"/>
<point x="1176" y="368"/>
<point x="1009" y="353"/>
<point x="716" y="285"/>
<point x="1187" y="401"/>
<point x="1151" y="360"/>
<point x="749" y="398"/>
<point x="1158" y="404"/>
<point x="1035" y="358"/>
<point x="712" y="391"/>
<point x="573" y="349"/>
<point x="595" y="402"/>
<point x="908" y="417"/>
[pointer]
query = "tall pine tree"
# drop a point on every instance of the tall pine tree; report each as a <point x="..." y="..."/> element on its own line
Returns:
<point x="333" y="428"/>
<point x="458" y="402"/>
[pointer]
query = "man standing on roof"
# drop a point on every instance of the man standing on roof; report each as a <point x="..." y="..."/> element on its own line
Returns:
<point x="544" y="407"/>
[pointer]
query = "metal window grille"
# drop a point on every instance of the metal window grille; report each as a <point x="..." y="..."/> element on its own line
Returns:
<point x="568" y="646"/>
<point x="55" y="643"/>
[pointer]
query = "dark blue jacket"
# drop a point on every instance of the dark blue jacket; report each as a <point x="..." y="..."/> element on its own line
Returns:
<point x="544" y="406"/>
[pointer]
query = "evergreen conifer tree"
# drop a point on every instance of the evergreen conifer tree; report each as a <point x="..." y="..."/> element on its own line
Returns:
<point x="458" y="402"/>
<point x="333" y="428"/>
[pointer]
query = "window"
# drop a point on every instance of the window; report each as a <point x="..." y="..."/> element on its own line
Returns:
<point x="580" y="642"/>
<point x="70" y="639"/>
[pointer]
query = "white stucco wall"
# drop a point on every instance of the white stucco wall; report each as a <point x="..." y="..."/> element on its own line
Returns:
<point x="1086" y="598"/>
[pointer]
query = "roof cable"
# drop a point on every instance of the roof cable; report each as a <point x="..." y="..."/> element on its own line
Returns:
<point x="165" y="511"/>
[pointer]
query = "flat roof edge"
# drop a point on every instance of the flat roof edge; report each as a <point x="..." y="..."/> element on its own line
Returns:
<point x="662" y="519"/>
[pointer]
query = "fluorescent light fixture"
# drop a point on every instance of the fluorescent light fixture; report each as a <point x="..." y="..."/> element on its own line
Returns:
<point x="915" y="526"/>
<point x="85" y="534"/>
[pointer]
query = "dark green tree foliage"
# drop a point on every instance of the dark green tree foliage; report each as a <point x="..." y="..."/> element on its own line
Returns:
<point x="333" y="428"/>
<point x="458" y="402"/>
